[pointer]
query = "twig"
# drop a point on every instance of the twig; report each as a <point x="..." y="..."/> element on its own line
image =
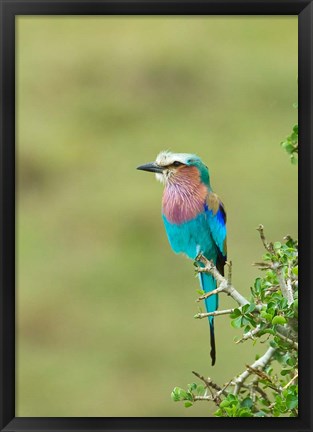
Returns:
<point x="262" y="265"/>
<point x="211" y="385"/>
<point x="216" y="313"/>
<point x="261" y="362"/>
<point x="224" y="388"/>
<point x="260" y="391"/>
<point x="229" y="275"/>
<point x="254" y="387"/>
<point x="210" y="293"/>
<point x="207" y="381"/>
<point x="288" y="237"/>
<point x="287" y="331"/>
<point x="268" y="246"/>
<point x="199" y="315"/>
<point x="291" y="381"/>
<point x="217" y="398"/>
<point x="206" y="398"/>
<point x="287" y="339"/>
<point x="264" y="376"/>
<point x="209" y="267"/>
<point x="250" y="334"/>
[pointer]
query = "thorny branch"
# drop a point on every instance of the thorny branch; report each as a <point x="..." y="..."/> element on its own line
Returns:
<point x="260" y="363"/>
<point x="224" y="285"/>
<point x="284" y="332"/>
<point x="268" y="246"/>
<point x="239" y="382"/>
<point x="210" y="385"/>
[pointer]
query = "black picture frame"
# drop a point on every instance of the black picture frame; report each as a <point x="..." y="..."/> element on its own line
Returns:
<point x="9" y="9"/>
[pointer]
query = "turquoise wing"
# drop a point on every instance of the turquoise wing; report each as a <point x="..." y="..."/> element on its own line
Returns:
<point x="216" y="216"/>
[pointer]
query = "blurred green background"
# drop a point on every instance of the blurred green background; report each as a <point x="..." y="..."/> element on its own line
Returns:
<point x="105" y="309"/>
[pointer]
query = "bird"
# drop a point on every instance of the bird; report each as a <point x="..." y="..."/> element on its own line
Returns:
<point x="194" y="217"/>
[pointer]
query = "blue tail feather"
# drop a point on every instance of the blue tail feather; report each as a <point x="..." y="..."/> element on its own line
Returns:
<point x="208" y="284"/>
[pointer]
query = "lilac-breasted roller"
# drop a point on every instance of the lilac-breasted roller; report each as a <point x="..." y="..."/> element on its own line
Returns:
<point x="193" y="215"/>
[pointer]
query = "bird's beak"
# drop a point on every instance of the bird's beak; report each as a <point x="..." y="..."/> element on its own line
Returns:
<point x="152" y="167"/>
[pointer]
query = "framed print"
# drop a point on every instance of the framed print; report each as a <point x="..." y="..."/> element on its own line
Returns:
<point x="134" y="304"/>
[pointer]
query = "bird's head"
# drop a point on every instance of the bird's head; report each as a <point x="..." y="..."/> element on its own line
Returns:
<point x="171" y="167"/>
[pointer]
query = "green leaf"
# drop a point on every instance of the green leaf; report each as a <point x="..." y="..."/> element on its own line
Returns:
<point x="267" y="257"/>
<point x="286" y="371"/>
<point x="278" y="319"/>
<point x="228" y="411"/>
<point x="232" y="397"/>
<point x="236" y="313"/>
<point x="192" y="386"/>
<point x="266" y="316"/>
<point x="244" y="308"/>
<point x="260" y="414"/>
<point x="265" y="402"/>
<point x="189" y="396"/>
<point x="180" y="394"/>
<point x="289" y="148"/>
<point x="245" y="413"/>
<point x="224" y="403"/>
<point x="175" y="395"/>
<point x="267" y="331"/>
<point x="257" y="284"/>
<point x="293" y="159"/>
<point x="273" y="344"/>
<point x="247" y="402"/>
<point x="236" y="323"/>
<point x="188" y="404"/>
<point x="291" y="361"/>
<point x="271" y="306"/>
<point x="245" y="321"/>
<point x="251" y="307"/>
<point x="291" y="401"/>
<point x="200" y="389"/>
<point x="295" y="308"/>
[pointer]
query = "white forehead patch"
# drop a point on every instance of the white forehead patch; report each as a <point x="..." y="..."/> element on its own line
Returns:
<point x="167" y="158"/>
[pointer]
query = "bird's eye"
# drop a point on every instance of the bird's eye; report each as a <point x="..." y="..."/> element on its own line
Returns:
<point x="176" y="163"/>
